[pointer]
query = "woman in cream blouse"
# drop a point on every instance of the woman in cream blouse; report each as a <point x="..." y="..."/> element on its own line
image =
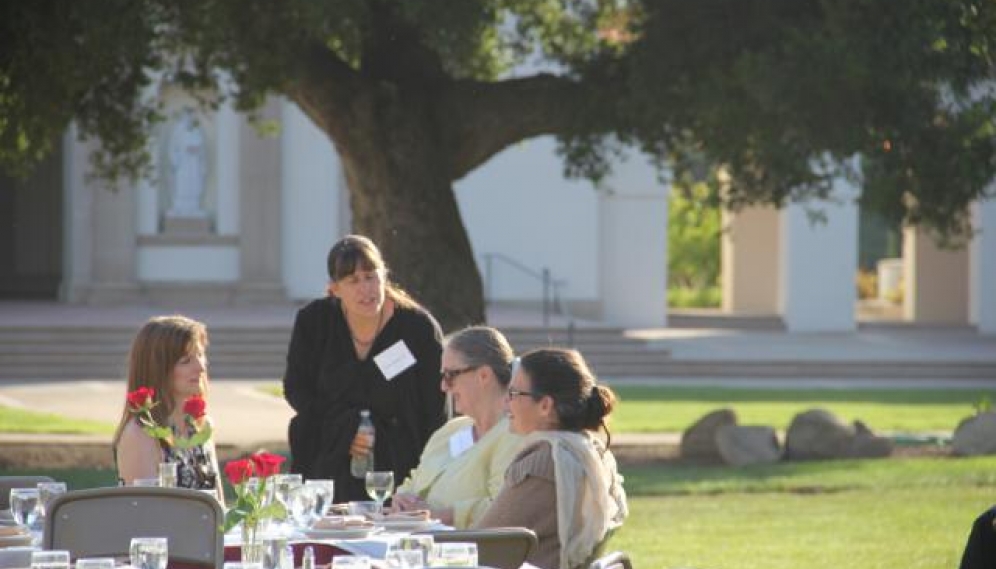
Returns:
<point x="463" y="464"/>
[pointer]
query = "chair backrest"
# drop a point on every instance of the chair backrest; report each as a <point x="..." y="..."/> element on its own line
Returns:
<point x="101" y="522"/>
<point x="614" y="560"/>
<point x="501" y="548"/>
<point x="8" y="482"/>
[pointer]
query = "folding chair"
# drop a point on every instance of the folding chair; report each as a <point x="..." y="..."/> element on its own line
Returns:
<point x="8" y="482"/>
<point x="501" y="548"/>
<point x="614" y="560"/>
<point x="101" y="522"/>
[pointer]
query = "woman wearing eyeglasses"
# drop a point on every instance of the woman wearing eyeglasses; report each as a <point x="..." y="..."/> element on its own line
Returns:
<point x="462" y="466"/>
<point x="563" y="484"/>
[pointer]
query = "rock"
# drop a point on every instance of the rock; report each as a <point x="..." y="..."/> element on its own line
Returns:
<point x="975" y="435"/>
<point x="698" y="442"/>
<point x="867" y="444"/>
<point x="818" y="434"/>
<point x="747" y="445"/>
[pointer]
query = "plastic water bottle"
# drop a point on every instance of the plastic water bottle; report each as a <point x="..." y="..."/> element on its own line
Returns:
<point x="308" y="560"/>
<point x="360" y="465"/>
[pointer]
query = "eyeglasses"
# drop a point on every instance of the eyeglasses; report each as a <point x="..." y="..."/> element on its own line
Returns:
<point x="513" y="393"/>
<point x="448" y="375"/>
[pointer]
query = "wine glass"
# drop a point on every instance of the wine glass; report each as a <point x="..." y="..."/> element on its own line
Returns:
<point x="149" y="552"/>
<point x="380" y="484"/>
<point x="24" y="505"/>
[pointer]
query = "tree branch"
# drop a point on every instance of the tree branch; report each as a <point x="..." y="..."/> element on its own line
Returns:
<point x="481" y="119"/>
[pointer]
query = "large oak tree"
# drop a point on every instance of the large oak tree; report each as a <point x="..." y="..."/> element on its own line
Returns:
<point x="773" y="98"/>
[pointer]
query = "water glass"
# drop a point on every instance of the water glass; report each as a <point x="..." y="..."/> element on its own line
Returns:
<point x="421" y="543"/>
<point x="24" y="505"/>
<point x="149" y="552"/>
<point x="301" y="506"/>
<point x="95" y="563"/>
<point x="47" y="491"/>
<point x="167" y="474"/>
<point x="350" y="562"/>
<point x="454" y="554"/>
<point x="284" y="485"/>
<point x="50" y="559"/>
<point x="324" y="490"/>
<point x="380" y="484"/>
<point x="404" y="559"/>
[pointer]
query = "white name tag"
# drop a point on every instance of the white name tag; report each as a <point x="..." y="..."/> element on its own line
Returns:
<point x="461" y="441"/>
<point x="394" y="360"/>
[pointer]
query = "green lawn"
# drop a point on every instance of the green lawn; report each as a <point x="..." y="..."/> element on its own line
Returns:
<point x="673" y="409"/>
<point x="881" y="514"/>
<point x="22" y="421"/>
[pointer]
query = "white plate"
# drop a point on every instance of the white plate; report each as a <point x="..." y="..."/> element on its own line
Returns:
<point x="407" y="525"/>
<point x="358" y="533"/>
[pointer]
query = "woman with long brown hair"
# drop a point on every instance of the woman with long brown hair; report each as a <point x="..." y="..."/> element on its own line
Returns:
<point x="168" y="356"/>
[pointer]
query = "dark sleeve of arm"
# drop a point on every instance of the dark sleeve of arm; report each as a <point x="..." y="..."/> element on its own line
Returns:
<point x="300" y="377"/>
<point x="428" y="353"/>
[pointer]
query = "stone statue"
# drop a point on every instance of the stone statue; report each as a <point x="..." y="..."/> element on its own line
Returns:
<point x="188" y="166"/>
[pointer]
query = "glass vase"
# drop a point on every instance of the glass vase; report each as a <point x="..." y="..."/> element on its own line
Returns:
<point x="252" y="542"/>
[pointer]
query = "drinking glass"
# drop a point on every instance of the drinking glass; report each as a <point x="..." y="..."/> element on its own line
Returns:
<point x="145" y="482"/>
<point x="53" y="559"/>
<point x="301" y="506"/>
<point x="149" y="552"/>
<point x="95" y="563"/>
<point x="404" y="559"/>
<point x="421" y="543"/>
<point x="167" y="474"/>
<point x="24" y="505"/>
<point x="47" y="491"/>
<point x="380" y="484"/>
<point x="454" y="554"/>
<point x="350" y="562"/>
<point x="324" y="490"/>
<point x="284" y="485"/>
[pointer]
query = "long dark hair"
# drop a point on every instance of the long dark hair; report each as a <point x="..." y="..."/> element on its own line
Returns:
<point x="354" y="252"/>
<point x="580" y="401"/>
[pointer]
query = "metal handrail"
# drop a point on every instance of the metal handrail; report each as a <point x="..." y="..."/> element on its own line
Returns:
<point x="551" y="287"/>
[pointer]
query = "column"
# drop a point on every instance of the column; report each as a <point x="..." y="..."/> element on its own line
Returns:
<point x="77" y="257"/>
<point x="982" y="267"/>
<point x="749" y="260"/>
<point x="114" y="245"/>
<point x="260" y="177"/>
<point x="819" y="260"/>
<point x="633" y="246"/>
<point x="935" y="280"/>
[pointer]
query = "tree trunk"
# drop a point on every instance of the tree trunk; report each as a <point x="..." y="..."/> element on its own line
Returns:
<point x="402" y="198"/>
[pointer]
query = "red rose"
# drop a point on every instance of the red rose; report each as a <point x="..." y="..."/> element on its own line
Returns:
<point x="238" y="471"/>
<point x="267" y="464"/>
<point x="195" y="407"/>
<point x="141" y="398"/>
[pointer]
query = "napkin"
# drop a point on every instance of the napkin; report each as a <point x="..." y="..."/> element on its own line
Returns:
<point x="342" y="522"/>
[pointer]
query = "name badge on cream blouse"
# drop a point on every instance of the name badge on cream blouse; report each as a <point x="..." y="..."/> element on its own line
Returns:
<point x="461" y="441"/>
<point x="394" y="360"/>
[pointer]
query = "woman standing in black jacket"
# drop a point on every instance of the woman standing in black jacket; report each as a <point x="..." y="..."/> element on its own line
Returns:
<point x="368" y="345"/>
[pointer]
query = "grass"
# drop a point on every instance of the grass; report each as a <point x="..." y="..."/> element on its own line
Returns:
<point x="684" y="297"/>
<point x="14" y="420"/>
<point x="674" y="409"/>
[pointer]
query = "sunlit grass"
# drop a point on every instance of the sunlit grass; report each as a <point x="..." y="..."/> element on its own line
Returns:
<point x="13" y="420"/>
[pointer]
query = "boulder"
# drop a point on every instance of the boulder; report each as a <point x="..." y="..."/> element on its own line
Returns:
<point x="867" y="444"/>
<point x="698" y="442"/>
<point x="746" y="445"/>
<point x="975" y="435"/>
<point x="818" y="434"/>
